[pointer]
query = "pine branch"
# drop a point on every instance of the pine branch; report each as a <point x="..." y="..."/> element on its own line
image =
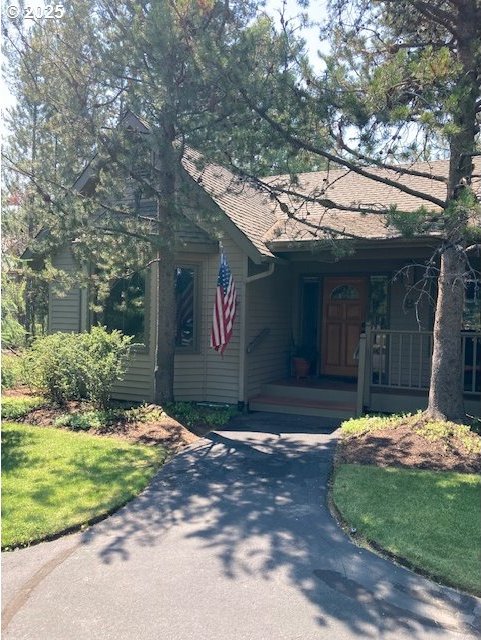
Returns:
<point x="303" y="144"/>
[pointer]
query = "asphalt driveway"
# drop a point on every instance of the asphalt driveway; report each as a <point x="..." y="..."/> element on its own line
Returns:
<point x="231" y="541"/>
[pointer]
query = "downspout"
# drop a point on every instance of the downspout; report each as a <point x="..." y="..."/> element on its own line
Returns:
<point x="263" y="274"/>
<point x="243" y="320"/>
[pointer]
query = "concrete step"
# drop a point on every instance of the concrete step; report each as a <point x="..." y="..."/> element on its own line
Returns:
<point x="305" y="392"/>
<point x="302" y="407"/>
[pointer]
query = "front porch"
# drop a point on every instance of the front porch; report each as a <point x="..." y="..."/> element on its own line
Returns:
<point x="365" y="324"/>
<point x="313" y="396"/>
<point x="393" y="377"/>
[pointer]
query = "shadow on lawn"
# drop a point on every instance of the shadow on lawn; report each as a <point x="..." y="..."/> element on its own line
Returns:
<point x="13" y="454"/>
<point x="240" y="487"/>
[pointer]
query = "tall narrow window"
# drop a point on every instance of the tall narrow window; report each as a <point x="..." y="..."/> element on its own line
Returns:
<point x="472" y="306"/>
<point x="378" y="301"/>
<point x="186" y="295"/>
<point x="310" y="311"/>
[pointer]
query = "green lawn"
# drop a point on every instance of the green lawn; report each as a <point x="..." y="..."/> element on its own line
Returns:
<point x="432" y="519"/>
<point x="53" y="479"/>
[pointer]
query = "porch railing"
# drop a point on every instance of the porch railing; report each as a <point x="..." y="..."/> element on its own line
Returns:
<point x="402" y="360"/>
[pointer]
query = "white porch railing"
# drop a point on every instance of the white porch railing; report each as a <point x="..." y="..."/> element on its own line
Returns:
<point x="402" y="360"/>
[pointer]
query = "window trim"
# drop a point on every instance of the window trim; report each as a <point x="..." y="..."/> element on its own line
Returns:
<point x="197" y="272"/>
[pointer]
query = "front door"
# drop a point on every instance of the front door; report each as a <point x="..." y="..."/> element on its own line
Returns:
<point x="344" y="311"/>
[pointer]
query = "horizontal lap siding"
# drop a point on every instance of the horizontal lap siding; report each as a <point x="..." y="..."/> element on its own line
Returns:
<point x="207" y="375"/>
<point x="202" y="376"/>
<point x="187" y="232"/>
<point x="64" y="310"/>
<point x="137" y="384"/>
<point x="269" y="307"/>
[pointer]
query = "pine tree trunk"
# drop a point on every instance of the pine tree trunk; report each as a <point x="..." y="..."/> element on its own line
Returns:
<point x="446" y="389"/>
<point x="165" y="271"/>
<point x="165" y="328"/>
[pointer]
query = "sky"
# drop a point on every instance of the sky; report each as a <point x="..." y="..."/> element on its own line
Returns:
<point x="315" y="12"/>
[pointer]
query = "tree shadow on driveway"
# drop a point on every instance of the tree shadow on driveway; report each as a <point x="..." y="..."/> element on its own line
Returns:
<point x="256" y="501"/>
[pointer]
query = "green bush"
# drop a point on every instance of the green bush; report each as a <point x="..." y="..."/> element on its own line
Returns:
<point x="83" y="421"/>
<point x="14" y="408"/>
<point x="106" y="362"/>
<point x="56" y="364"/>
<point x="13" y="370"/>
<point x="68" y="366"/>
<point x="192" y="414"/>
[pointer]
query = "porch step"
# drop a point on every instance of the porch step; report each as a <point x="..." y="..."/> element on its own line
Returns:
<point x="311" y="392"/>
<point x="301" y="406"/>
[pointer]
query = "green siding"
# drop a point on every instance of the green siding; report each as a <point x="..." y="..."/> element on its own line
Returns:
<point x="269" y="307"/>
<point x="64" y="309"/>
<point x="206" y="375"/>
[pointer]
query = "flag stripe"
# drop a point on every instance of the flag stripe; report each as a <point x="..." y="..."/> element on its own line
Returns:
<point x="224" y="308"/>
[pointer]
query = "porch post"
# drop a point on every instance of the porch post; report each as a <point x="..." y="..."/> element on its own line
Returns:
<point x="361" y="373"/>
<point x="368" y="367"/>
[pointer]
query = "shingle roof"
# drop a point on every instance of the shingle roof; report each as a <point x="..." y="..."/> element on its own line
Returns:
<point x="248" y="208"/>
<point x="266" y="225"/>
<point x="344" y="187"/>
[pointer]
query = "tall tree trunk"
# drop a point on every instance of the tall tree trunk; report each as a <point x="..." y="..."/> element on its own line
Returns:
<point x="446" y="387"/>
<point x="165" y="328"/>
<point x="165" y="271"/>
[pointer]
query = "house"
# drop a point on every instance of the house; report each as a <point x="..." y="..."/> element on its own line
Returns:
<point x="355" y="304"/>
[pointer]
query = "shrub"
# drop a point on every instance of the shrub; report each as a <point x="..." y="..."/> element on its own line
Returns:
<point x="68" y="366"/>
<point x="56" y="363"/>
<point x="14" y="408"/>
<point x="192" y="414"/>
<point x="13" y="370"/>
<point x="83" y="421"/>
<point x="106" y="361"/>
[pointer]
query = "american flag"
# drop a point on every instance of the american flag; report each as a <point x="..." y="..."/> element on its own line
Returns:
<point x="224" y="308"/>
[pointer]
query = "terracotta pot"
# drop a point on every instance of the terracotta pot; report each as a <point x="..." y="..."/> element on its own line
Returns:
<point x="301" y="367"/>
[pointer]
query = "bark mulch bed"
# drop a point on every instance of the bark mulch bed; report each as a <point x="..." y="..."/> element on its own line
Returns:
<point x="401" y="446"/>
<point x="162" y="430"/>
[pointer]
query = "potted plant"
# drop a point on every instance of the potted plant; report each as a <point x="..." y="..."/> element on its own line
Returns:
<point x="303" y="357"/>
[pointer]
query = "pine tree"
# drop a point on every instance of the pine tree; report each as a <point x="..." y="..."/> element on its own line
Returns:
<point x="84" y="71"/>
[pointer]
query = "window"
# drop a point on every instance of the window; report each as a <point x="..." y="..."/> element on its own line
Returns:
<point x="378" y="301"/>
<point x="345" y="292"/>
<point x="124" y="308"/>
<point x="472" y="307"/>
<point x="186" y="303"/>
<point x="310" y="311"/>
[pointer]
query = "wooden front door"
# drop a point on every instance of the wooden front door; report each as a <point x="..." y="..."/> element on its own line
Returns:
<point x="344" y="311"/>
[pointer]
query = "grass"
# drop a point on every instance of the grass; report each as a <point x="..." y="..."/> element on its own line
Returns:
<point x="17" y="407"/>
<point x="53" y="479"/>
<point x="365" y="424"/>
<point x="430" y="519"/>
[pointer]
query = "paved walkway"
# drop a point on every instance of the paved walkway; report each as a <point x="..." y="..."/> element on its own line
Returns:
<point x="232" y="541"/>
